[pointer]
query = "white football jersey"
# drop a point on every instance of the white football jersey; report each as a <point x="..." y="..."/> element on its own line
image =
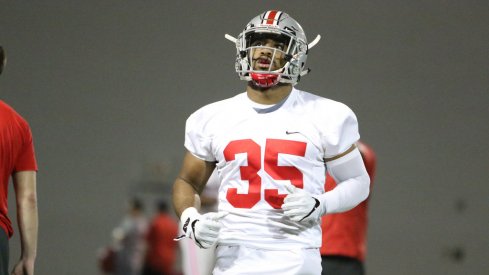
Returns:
<point x="257" y="149"/>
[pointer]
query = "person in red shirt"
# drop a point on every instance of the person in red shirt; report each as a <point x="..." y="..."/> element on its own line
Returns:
<point x="162" y="250"/>
<point x="344" y="244"/>
<point x="17" y="160"/>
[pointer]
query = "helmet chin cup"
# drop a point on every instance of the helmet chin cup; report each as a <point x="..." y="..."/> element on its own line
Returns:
<point x="264" y="80"/>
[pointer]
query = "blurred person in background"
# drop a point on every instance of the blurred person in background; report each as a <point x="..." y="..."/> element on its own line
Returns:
<point x="130" y="240"/>
<point x="162" y="250"/>
<point x="17" y="161"/>
<point x="345" y="234"/>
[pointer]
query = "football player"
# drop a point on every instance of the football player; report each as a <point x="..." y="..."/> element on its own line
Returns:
<point x="271" y="146"/>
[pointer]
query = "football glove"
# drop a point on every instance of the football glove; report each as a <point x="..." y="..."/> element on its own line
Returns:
<point x="300" y="206"/>
<point x="203" y="229"/>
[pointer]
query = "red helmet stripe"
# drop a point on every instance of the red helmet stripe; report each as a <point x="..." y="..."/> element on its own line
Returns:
<point x="271" y="17"/>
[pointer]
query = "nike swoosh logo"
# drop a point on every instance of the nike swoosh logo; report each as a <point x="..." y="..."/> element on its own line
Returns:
<point x="291" y="132"/>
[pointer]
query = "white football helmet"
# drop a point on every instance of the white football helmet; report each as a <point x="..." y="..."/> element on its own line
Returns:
<point x="278" y="26"/>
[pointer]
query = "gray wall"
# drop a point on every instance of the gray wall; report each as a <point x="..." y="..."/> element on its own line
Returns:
<point x="107" y="86"/>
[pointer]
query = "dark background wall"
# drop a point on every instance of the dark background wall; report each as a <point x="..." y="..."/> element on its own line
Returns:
<point x="107" y="86"/>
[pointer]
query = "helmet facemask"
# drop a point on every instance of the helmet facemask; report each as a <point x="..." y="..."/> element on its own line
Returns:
<point x="285" y="64"/>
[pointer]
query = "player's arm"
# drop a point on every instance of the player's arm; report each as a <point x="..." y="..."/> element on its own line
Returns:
<point x="190" y="182"/>
<point x="369" y="159"/>
<point x="27" y="218"/>
<point x="203" y="229"/>
<point x="348" y="170"/>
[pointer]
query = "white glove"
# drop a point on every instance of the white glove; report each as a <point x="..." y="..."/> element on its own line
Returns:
<point x="203" y="229"/>
<point x="300" y="206"/>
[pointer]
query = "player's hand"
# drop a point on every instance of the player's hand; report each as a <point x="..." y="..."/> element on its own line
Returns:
<point x="203" y="229"/>
<point x="300" y="206"/>
<point x="23" y="267"/>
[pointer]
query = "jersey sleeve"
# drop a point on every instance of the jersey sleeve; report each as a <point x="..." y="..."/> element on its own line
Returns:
<point x="26" y="160"/>
<point x="197" y="141"/>
<point x="342" y="131"/>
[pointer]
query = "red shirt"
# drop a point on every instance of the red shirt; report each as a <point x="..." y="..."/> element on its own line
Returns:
<point x="16" y="154"/>
<point x="162" y="249"/>
<point x="344" y="234"/>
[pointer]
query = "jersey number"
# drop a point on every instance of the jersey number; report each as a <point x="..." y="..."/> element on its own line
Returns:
<point x="250" y="172"/>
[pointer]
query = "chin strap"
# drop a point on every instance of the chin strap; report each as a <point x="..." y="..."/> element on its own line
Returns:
<point x="309" y="46"/>
<point x="314" y="42"/>
<point x="230" y="38"/>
